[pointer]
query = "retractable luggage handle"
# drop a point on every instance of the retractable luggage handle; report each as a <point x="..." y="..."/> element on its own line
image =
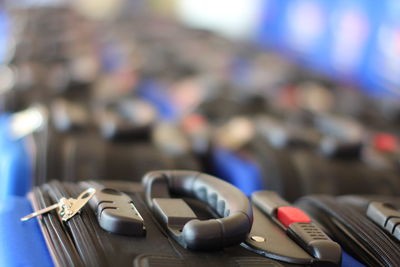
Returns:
<point x="226" y="200"/>
<point x="298" y="226"/>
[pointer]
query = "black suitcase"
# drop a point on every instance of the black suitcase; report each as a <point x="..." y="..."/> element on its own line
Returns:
<point x="304" y="165"/>
<point x="366" y="226"/>
<point x="295" y="173"/>
<point x="73" y="148"/>
<point x="74" y="157"/>
<point x="178" y="218"/>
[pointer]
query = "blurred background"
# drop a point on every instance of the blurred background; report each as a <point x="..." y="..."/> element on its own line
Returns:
<point x="211" y="85"/>
<point x="354" y="43"/>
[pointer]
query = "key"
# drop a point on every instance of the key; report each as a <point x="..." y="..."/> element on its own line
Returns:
<point x="39" y="212"/>
<point x="67" y="208"/>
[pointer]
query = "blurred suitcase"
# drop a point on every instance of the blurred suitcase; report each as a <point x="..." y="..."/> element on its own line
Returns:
<point x="89" y="156"/>
<point x="295" y="173"/>
<point x="289" y="163"/>
<point x="78" y="150"/>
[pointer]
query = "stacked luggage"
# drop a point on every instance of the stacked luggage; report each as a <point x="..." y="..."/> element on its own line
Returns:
<point x="119" y="149"/>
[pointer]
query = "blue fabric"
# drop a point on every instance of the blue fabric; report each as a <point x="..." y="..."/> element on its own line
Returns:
<point x="4" y="35"/>
<point x="156" y="94"/>
<point x="349" y="261"/>
<point x="22" y="243"/>
<point x="15" y="163"/>
<point x="240" y="172"/>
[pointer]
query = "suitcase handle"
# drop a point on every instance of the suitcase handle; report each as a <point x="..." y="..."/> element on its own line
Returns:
<point x="227" y="201"/>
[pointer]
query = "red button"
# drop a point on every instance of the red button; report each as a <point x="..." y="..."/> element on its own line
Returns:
<point x="289" y="215"/>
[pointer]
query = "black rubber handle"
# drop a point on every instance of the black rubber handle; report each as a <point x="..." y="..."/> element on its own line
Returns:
<point x="228" y="201"/>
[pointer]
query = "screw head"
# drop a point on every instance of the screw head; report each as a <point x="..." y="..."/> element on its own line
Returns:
<point x="258" y="238"/>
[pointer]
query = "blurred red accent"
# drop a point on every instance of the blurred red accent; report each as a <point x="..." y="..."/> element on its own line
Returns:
<point x="385" y="142"/>
<point x="193" y="122"/>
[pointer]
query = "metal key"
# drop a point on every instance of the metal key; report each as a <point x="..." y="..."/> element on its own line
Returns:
<point x="67" y="208"/>
<point x="39" y="212"/>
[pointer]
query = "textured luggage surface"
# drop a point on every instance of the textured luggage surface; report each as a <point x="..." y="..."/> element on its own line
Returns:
<point x="176" y="218"/>
<point x="81" y="241"/>
<point x="364" y="225"/>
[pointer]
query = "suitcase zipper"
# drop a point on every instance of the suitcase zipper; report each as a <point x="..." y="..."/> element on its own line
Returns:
<point x="59" y="242"/>
<point x="77" y="243"/>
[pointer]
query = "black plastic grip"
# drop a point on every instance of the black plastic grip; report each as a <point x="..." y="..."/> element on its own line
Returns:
<point x="386" y="216"/>
<point x="115" y="211"/>
<point x="226" y="200"/>
<point x="315" y="241"/>
<point x="268" y="201"/>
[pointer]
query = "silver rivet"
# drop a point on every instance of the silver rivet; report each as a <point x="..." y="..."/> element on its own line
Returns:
<point x="258" y="238"/>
